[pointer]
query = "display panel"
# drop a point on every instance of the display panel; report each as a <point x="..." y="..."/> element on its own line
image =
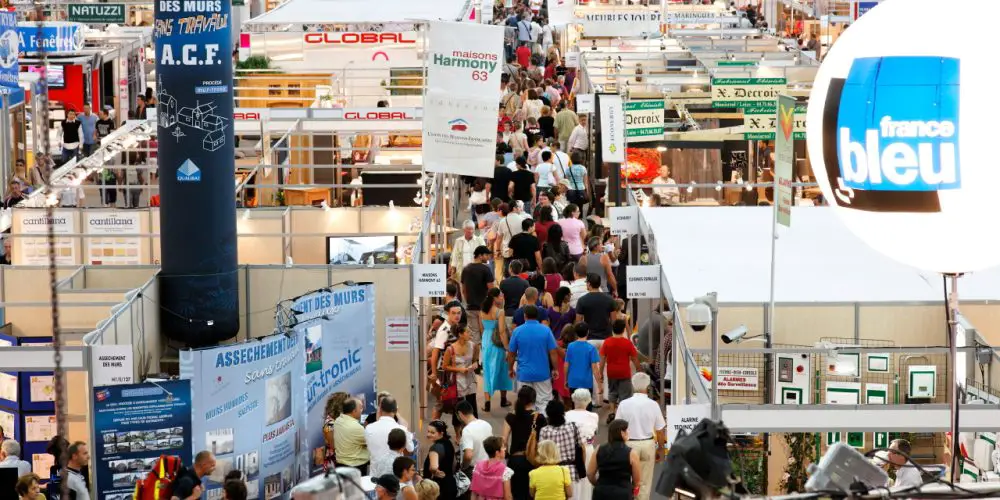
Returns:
<point x="360" y="250"/>
<point x="54" y="74"/>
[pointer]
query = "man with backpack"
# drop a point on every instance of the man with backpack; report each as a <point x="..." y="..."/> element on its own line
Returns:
<point x="187" y="485"/>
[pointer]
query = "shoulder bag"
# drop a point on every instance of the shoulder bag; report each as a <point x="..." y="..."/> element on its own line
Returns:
<point x="578" y="459"/>
<point x="496" y="338"/>
<point x="449" y="387"/>
<point x="531" y="449"/>
<point x="506" y="251"/>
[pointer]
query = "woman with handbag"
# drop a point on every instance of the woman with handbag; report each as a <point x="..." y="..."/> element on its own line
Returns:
<point x="567" y="438"/>
<point x="586" y="423"/>
<point x="495" y="339"/>
<point x="551" y="480"/>
<point x="520" y="431"/>
<point x="462" y="359"/>
<point x="439" y="466"/>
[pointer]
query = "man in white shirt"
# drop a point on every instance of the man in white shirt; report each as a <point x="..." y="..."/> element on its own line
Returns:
<point x="577" y="287"/>
<point x="907" y="476"/>
<point x="443" y="337"/>
<point x="462" y="250"/>
<point x="578" y="140"/>
<point x="377" y="432"/>
<point x="10" y="456"/>
<point x="645" y="429"/>
<point x="669" y="195"/>
<point x="474" y="431"/>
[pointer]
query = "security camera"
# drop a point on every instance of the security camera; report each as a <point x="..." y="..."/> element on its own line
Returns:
<point x="699" y="316"/>
<point x="734" y="335"/>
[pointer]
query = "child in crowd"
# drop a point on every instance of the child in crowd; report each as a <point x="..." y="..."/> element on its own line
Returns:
<point x="582" y="362"/>
<point x="617" y="353"/>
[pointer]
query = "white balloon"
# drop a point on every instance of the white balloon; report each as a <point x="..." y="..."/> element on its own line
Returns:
<point x="912" y="144"/>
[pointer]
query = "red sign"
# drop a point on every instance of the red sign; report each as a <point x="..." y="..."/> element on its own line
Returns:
<point x="248" y="116"/>
<point x="333" y="38"/>
<point x="377" y="115"/>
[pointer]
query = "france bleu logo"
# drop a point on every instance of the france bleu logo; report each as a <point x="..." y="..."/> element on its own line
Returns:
<point x="896" y="133"/>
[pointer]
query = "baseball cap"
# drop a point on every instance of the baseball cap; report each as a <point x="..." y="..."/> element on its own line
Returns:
<point x="481" y="250"/>
<point x="389" y="482"/>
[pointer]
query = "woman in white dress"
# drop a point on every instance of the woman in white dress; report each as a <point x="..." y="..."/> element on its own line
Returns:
<point x="586" y="422"/>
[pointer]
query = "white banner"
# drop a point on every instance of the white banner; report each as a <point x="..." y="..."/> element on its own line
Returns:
<point x="686" y="418"/>
<point x="429" y="280"/>
<point x="111" y="365"/>
<point x="560" y="12"/>
<point x="624" y="220"/>
<point x="642" y="282"/>
<point x="460" y="107"/>
<point x="630" y="23"/>
<point x="612" y="128"/>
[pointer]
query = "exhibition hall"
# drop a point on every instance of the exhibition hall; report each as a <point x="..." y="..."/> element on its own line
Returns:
<point x="497" y="250"/>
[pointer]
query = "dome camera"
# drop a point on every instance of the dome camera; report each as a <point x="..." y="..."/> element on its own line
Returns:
<point x="699" y="316"/>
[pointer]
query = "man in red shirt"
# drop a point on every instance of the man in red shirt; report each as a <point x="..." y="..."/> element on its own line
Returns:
<point x="617" y="353"/>
<point x="523" y="55"/>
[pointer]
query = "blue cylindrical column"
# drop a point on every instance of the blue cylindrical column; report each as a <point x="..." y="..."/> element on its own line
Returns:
<point x="194" y="68"/>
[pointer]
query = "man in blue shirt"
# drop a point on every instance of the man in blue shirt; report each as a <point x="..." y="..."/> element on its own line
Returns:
<point x="530" y="297"/>
<point x="88" y="130"/>
<point x="534" y="349"/>
<point x="582" y="363"/>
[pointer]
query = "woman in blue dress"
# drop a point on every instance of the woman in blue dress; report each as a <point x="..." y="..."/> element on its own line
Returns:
<point x="495" y="342"/>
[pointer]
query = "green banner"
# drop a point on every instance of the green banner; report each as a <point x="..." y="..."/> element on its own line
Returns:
<point x="723" y="64"/>
<point x="644" y="120"/>
<point x="96" y="13"/>
<point x="746" y="92"/>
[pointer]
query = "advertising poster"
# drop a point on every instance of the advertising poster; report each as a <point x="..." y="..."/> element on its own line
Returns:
<point x="245" y="411"/>
<point x="460" y="107"/>
<point x="134" y="424"/>
<point x="9" y="45"/>
<point x="612" y="127"/>
<point x="35" y="251"/>
<point x="784" y="160"/>
<point x="194" y="117"/>
<point x="106" y="243"/>
<point x="339" y="331"/>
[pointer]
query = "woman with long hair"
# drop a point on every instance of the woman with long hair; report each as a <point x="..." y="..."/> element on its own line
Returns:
<point x="495" y="343"/>
<point x="567" y="334"/>
<point x="555" y="247"/>
<point x="334" y="406"/>
<point x="551" y="274"/>
<point x="517" y="428"/>
<point x="574" y="231"/>
<point x="614" y="469"/>
<point x="587" y="423"/>
<point x="561" y="313"/>
<point x="439" y="466"/>
<point x="462" y="359"/>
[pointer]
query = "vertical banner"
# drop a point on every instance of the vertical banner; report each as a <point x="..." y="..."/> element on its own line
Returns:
<point x="9" y="46"/>
<point x="247" y="409"/>
<point x="784" y="159"/>
<point x="612" y="127"/>
<point x="194" y="68"/>
<point x="134" y="424"/>
<point x="460" y="106"/>
<point x="339" y="331"/>
<point x="560" y="12"/>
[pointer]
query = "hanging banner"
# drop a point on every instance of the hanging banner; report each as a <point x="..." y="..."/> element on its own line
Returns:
<point x="56" y="37"/>
<point x="644" y="120"/>
<point x="103" y="13"/>
<point x="339" y="331"/>
<point x="134" y="425"/>
<point x="746" y="92"/>
<point x="107" y="243"/>
<point x="612" y="127"/>
<point x="460" y="106"/>
<point x="111" y="364"/>
<point x="684" y="418"/>
<point x="784" y="160"/>
<point x="630" y="23"/>
<point x="760" y="124"/>
<point x="643" y="282"/>
<point x="245" y="411"/>
<point x="9" y="49"/>
<point x="35" y="251"/>
<point x="560" y="11"/>
<point x="194" y="115"/>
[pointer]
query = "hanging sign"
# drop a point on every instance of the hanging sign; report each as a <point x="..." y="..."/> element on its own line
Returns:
<point x="612" y="128"/>
<point x="112" y="364"/>
<point x="686" y="418"/>
<point x="601" y="23"/>
<point x="624" y="220"/>
<point x="642" y="282"/>
<point x="134" y="425"/>
<point x="746" y="92"/>
<point x="430" y="280"/>
<point x="9" y="48"/>
<point x="96" y="13"/>
<point x="761" y="124"/>
<point x="53" y="37"/>
<point x="736" y="64"/>
<point x="699" y="17"/>
<point x="585" y="103"/>
<point x="784" y="160"/>
<point x="644" y="120"/>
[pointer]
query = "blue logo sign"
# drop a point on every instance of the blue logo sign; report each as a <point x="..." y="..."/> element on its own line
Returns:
<point x="9" y="46"/>
<point x="189" y="172"/>
<point x="864" y="7"/>
<point x="53" y="37"/>
<point x="898" y="125"/>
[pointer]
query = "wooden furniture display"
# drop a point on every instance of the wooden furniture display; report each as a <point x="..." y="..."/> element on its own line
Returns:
<point x="278" y="90"/>
<point x="306" y="196"/>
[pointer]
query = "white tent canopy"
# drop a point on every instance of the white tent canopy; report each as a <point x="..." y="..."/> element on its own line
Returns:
<point x="728" y="250"/>
<point x="360" y="11"/>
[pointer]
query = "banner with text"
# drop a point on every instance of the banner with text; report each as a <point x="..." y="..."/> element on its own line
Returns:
<point x="612" y="128"/>
<point x="134" y="425"/>
<point x="339" y="331"/>
<point x="784" y="160"/>
<point x="746" y="92"/>
<point x="760" y="124"/>
<point x="247" y="409"/>
<point x="644" y="120"/>
<point x="628" y="23"/>
<point x="460" y="106"/>
<point x="9" y="49"/>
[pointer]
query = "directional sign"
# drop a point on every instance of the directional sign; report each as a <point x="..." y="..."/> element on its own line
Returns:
<point x="397" y="333"/>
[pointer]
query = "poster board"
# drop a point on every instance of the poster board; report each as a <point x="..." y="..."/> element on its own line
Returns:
<point x="35" y="250"/>
<point x="843" y="393"/>
<point x="8" y="382"/>
<point x="37" y="389"/>
<point x="106" y="243"/>
<point x="876" y="394"/>
<point x="134" y="424"/>
<point x="244" y="410"/>
<point x="338" y="328"/>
